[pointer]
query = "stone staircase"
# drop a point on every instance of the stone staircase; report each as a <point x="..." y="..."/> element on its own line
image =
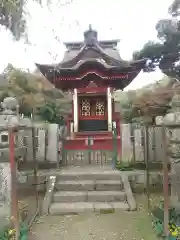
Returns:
<point x="98" y="190"/>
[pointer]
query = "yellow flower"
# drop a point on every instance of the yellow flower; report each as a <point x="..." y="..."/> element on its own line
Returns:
<point x="11" y="231"/>
<point x="175" y="233"/>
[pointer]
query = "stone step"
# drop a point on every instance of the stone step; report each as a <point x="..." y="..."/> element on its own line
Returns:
<point x="106" y="196"/>
<point x="85" y="207"/>
<point x="91" y="196"/>
<point x="89" y="185"/>
<point x="101" y="175"/>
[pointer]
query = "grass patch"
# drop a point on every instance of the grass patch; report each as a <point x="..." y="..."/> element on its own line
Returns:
<point x="130" y="166"/>
<point x="144" y="226"/>
<point x="107" y="211"/>
<point x="124" y="166"/>
<point x="144" y="219"/>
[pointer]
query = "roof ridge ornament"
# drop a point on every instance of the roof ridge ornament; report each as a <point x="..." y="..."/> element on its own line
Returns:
<point x="90" y="36"/>
<point x="90" y="27"/>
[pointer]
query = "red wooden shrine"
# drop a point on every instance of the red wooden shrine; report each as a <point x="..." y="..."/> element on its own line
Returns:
<point x="92" y="70"/>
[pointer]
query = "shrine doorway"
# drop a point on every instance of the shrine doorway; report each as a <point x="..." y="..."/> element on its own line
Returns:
<point x="93" y="115"/>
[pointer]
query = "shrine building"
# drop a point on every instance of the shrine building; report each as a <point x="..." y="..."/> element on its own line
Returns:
<point x="92" y="70"/>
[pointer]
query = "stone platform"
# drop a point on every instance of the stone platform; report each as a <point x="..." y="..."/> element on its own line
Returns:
<point x="87" y="189"/>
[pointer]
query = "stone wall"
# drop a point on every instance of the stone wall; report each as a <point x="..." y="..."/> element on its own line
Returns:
<point x="138" y="181"/>
<point x="133" y="145"/>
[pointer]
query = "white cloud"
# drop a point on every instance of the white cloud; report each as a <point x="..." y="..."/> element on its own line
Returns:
<point x="131" y="21"/>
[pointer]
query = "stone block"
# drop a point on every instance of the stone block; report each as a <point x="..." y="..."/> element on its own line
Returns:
<point x="49" y="194"/>
<point x="120" y="206"/>
<point x="101" y="175"/>
<point x="106" y="196"/>
<point x="103" y="208"/>
<point x="85" y="185"/>
<point x="70" y="196"/>
<point x="108" y="185"/>
<point x="71" y="208"/>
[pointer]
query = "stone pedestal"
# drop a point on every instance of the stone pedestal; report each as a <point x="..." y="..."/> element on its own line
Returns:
<point x="5" y="194"/>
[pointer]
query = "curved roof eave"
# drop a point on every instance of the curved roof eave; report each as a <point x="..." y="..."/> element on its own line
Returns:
<point x="137" y="62"/>
<point x="138" y="65"/>
<point x="82" y="62"/>
<point x="75" y="57"/>
<point x="128" y="81"/>
<point x="120" y="63"/>
<point x="50" y="66"/>
<point x="106" y="55"/>
<point x="101" y="51"/>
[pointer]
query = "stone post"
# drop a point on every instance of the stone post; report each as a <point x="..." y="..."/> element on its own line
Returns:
<point x="173" y="136"/>
<point x="127" y="148"/>
<point x="52" y="150"/>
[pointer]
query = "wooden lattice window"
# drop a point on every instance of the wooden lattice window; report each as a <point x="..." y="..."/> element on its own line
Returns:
<point x="85" y="107"/>
<point x="100" y="108"/>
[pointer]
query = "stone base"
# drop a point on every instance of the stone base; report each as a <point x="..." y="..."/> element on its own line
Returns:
<point x="85" y="207"/>
<point x="4" y="215"/>
<point x="98" y="151"/>
<point x="91" y="196"/>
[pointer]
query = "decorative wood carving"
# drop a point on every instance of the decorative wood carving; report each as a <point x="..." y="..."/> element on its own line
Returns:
<point x="100" y="108"/>
<point x="85" y="107"/>
<point x="92" y="84"/>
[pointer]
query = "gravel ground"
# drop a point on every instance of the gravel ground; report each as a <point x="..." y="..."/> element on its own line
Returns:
<point x="115" y="226"/>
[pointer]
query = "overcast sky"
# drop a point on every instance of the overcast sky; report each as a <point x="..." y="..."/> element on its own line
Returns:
<point x="131" y="21"/>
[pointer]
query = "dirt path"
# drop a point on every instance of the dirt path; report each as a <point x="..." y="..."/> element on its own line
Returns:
<point x="117" y="226"/>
